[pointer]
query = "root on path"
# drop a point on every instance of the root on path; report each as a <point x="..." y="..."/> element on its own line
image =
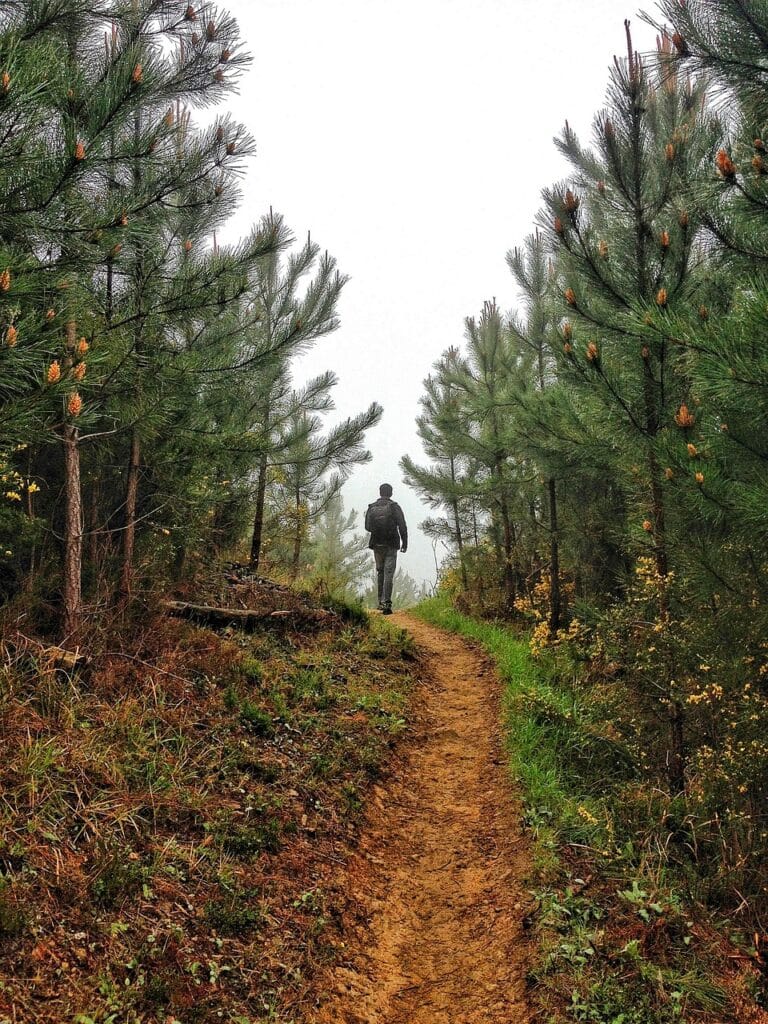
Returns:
<point x="436" y="891"/>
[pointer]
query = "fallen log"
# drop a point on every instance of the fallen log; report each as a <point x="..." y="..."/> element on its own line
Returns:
<point x="246" y="619"/>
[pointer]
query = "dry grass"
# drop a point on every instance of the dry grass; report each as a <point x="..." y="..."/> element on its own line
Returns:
<point x="170" y="817"/>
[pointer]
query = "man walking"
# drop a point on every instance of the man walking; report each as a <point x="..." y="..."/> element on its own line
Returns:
<point x="389" y="534"/>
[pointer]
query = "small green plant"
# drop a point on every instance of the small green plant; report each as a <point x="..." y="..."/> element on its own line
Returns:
<point x="311" y="689"/>
<point x="259" y="771"/>
<point x="235" y="913"/>
<point x="12" y="855"/>
<point x="252" y="670"/>
<point x="256" y="719"/>
<point x="116" y="876"/>
<point x="12" y="919"/>
<point x="157" y="990"/>
<point x="351" y="611"/>
<point x="352" y="798"/>
<point x="248" y="841"/>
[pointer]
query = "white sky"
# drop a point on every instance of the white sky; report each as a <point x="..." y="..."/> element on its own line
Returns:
<point x="413" y="139"/>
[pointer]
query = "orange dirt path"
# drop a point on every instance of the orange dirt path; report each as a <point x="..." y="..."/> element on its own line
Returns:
<point x="436" y="886"/>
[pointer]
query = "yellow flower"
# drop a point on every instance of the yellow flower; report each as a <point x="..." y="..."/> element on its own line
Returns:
<point x="13" y="495"/>
<point x="54" y="372"/>
<point x="11" y="336"/>
<point x="5" y="280"/>
<point x="699" y="478"/>
<point x="586" y="814"/>
<point x="692" y="450"/>
<point x="74" y="404"/>
<point x="82" y="347"/>
<point x="79" y="371"/>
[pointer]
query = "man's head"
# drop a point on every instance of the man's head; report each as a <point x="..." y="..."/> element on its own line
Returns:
<point x="386" y="490"/>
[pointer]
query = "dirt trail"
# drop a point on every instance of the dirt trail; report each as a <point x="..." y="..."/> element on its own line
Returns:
<point x="436" y="935"/>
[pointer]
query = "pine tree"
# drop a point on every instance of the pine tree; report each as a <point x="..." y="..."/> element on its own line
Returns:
<point x="442" y="428"/>
<point x="338" y="557"/>
<point x="292" y="316"/>
<point x="625" y="254"/>
<point x="112" y="162"/>
<point x="729" y="42"/>
<point x="481" y="378"/>
<point x="313" y="466"/>
<point x="530" y="267"/>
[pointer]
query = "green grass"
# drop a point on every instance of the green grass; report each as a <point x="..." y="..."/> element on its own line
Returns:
<point x="543" y="724"/>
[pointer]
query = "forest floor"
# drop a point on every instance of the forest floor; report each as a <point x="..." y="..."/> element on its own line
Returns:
<point x="434" y="923"/>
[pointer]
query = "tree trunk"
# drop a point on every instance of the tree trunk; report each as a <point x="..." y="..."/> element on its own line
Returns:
<point x="677" y="758"/>
<point x="131" y="505"/>
<point x="72" y="581"/>
<point x="29" y="578"/>
<point x="258" y="519"/>
<point x="509" y="572"/>
<point x="508" y="541"/>
<point x="555" y="597"/>
<point x="460" y="546"/>
<point x="297" y="540"/>
<point x="134" y="456"/>
<point x="73" y="533"/>
<point x="457" y="530"/>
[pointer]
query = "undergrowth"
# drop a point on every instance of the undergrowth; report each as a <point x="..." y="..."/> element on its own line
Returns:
<point x="172" y="817"/>
<point x="623" y="936"/>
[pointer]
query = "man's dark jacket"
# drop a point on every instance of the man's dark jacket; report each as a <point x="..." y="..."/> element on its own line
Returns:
<point x="398" y="538"/>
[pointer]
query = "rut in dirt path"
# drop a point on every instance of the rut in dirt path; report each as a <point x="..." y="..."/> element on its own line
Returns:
<point x="437" y="882"/>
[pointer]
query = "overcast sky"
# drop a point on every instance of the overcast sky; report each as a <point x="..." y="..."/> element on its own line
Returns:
<point x="413" y="139"/>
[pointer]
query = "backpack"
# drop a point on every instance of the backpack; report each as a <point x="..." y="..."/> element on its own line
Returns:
<point x="382" y="522"/>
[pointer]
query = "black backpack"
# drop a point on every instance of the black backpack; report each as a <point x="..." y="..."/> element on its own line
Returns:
<point x="382" y="522"/>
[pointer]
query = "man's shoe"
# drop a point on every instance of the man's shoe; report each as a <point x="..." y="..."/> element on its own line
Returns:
<point x="387" y="609"/>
